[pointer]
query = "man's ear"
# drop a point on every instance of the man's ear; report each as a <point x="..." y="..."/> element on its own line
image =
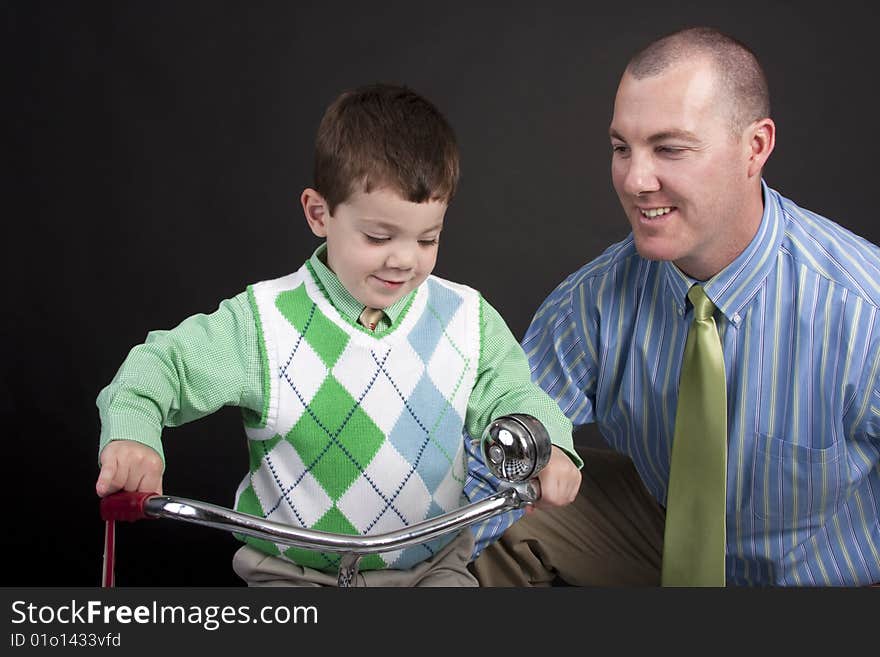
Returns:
<point x="316" y="210"/>
<point x="761" y="137"/>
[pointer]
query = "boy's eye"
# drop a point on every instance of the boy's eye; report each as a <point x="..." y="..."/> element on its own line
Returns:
<point x="372" y="239"/>
<point x="430" y="242"/>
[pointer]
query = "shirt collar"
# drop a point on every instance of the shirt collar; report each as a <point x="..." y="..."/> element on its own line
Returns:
<point x="735" y="285"/>
<point x="340" y="297"/>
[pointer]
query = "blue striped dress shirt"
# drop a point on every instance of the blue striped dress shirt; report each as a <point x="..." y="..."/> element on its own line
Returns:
<point x="798" y="321"/>
<point x="479" y="484"/>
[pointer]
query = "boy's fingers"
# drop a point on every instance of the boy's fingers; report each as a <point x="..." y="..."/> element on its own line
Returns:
<point x="105" y="478"/>
<point x="536" y="485"/>
<point x="132" y="482"/>
<point x="558" y="491"/>
<point x="554" y="499"/>
<point x="120" y="476"/>
<point x="151" y="483"/>
<point x="574" y="487"/>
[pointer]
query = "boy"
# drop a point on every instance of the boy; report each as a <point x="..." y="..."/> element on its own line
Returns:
<point x="356" y="375"/>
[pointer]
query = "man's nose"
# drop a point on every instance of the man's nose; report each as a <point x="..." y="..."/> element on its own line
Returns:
<point x="641" y="176"/>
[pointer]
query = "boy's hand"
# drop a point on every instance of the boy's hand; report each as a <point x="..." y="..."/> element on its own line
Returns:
<point x="560" y="480"/>
<point x="129" y="465"/>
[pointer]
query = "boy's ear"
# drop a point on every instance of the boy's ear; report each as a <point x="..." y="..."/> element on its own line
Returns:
<point x="315" y="208"/>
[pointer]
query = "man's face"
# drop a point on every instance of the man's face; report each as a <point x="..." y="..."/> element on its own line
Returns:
<point x="680" y="174"/>
<point x="382" y="247"/>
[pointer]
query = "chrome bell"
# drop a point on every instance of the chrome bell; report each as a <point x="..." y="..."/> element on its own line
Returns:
<point x="515" y="447"/>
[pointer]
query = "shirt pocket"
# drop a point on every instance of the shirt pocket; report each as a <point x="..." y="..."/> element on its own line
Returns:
<point x="795" y="487"/>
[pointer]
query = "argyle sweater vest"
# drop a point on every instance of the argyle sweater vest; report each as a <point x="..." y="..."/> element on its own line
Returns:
<point x="361" y="433"/>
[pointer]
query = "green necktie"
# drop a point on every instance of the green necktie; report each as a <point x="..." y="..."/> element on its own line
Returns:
<point x="694" y="541"/>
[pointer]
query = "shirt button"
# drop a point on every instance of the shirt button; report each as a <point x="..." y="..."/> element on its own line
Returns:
<point x="736" y="318"/>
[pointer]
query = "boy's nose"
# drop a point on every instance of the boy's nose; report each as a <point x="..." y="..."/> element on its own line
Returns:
<point x="400" y="259"/>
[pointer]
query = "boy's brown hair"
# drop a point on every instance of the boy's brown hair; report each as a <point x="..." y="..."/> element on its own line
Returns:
<point x="385" y="135"/>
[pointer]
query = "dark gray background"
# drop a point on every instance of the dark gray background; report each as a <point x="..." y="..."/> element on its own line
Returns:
<point x="157" y="151"/>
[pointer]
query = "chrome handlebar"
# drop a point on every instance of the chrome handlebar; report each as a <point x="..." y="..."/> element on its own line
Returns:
<point x="514" y="447"/>
<point x="218" y="517"/>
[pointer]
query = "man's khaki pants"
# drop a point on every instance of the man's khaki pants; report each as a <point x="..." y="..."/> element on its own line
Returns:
<point x="611" y="535"/>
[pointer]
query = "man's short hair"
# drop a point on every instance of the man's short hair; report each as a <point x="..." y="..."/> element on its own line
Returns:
<point x="385" y="136"/>
<point x="742" y="84"/>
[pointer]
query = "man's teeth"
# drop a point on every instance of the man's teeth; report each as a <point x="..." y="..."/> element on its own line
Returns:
<point x="655" y="212"/>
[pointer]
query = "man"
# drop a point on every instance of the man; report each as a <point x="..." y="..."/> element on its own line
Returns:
<point x="788" y="297"/>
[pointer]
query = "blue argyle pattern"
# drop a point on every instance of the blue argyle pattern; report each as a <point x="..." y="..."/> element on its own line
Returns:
<point x="363" y="433"/>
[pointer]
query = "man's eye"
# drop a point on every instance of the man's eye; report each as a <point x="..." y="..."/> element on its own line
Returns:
<point x="670" y="150"/>
<point x="619" y="148"/>
<point x="372" y="239"/>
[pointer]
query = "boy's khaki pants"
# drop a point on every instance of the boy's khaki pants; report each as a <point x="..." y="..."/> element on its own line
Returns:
<point x="446" y="568"/>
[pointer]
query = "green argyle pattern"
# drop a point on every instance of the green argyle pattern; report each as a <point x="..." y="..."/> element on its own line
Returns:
<point x="362" y="432"/>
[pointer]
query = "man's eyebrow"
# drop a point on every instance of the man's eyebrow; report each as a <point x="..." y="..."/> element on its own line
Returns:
<point x="684" y="135"/>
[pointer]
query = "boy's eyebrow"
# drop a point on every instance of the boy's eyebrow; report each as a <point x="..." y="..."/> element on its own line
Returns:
<point x="378" y="223"/>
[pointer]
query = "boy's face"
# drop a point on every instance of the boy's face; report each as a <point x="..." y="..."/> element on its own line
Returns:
<point x="380" y="246"/>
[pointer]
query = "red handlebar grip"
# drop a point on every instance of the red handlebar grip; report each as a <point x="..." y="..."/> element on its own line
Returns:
<point x="125" y="506"/>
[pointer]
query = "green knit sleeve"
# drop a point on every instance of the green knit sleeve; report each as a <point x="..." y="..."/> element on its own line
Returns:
<point x="504" y="385"/>
<point x="182" y="374"/>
